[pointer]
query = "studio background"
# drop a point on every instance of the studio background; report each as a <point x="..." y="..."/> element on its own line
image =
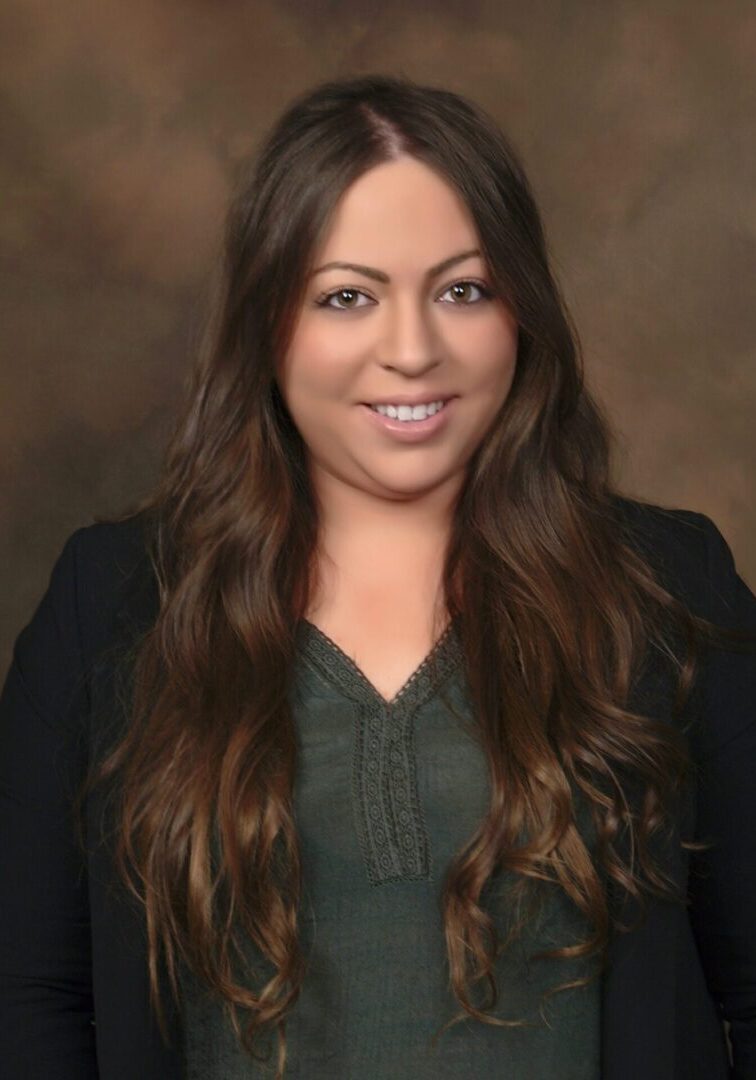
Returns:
<point x="123" y="128"/>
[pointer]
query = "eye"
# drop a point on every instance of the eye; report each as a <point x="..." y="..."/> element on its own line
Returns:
<point x="461" y="285"/>
<point x="458" y="288"/>
<point x="324" y="300"/>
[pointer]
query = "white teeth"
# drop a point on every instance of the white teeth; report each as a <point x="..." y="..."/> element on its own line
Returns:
<point x="409" y="412"/>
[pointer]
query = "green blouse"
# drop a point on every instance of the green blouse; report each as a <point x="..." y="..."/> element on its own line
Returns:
<point x="385" y="794"/>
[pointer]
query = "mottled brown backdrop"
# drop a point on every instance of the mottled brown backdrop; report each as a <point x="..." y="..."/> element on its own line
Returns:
<point x="124" y="123"/>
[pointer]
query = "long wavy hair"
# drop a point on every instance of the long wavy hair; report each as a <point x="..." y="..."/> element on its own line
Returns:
<point x="556" y="611"/>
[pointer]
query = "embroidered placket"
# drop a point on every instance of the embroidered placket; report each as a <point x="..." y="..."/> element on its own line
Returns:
<point x="391" y="830"/>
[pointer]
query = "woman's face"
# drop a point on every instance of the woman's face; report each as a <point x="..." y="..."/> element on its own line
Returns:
<point x="396" y="331"/>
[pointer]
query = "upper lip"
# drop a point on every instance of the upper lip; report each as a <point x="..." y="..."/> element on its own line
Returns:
<point x="407" y="399"/>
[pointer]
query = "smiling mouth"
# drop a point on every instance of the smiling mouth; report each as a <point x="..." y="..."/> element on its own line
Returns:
<point x="424" y="401"/>
<point x="405" y="412"/>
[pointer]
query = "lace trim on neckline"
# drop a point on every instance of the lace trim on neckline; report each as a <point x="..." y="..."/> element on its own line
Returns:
<point x="342" y="671"/>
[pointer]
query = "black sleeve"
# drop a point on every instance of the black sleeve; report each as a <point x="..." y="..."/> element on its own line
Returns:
<point x="46" y="1006"/>
<point x="723" y="884"/>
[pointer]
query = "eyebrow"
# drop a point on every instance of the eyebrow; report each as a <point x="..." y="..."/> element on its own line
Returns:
<point x="379" y="275"/>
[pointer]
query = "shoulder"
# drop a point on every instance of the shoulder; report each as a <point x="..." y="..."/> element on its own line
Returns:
<point x="691" y="556"/>
<point x="695" y="564"/>
<point x="106" y="572"/>
<point x="111" y="552"/>
<point x="673" y="535"/>
<point x="101" y="589"/>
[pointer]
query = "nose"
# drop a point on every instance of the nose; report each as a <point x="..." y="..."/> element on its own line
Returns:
<point x="410" y="343"/>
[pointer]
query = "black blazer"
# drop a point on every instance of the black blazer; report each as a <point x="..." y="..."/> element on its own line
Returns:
<point x="73" y="978"/>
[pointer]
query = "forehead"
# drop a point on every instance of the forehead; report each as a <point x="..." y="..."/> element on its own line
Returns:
<point x="397" y="208"/>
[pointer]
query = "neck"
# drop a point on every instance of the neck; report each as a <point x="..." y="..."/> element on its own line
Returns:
<point x="377" y="545"/>
<point x="369" y="524"/>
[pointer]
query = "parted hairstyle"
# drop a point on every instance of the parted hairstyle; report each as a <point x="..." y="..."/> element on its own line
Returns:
<point x="557" y="613"/>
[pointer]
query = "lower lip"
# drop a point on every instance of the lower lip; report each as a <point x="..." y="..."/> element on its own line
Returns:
<point x="410" y="431"/>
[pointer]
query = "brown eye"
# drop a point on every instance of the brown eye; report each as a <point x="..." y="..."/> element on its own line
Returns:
<point x="348" y="294"/>
<point x="460" y="291"/>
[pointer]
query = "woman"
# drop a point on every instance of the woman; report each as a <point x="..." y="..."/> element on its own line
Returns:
<point x="376" y="721"/>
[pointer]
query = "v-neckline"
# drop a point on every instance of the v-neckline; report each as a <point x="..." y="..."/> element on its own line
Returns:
<point x="342" y="671"/>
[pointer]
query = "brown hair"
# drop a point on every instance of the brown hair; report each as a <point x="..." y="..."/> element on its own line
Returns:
<point x="557" y="612"/>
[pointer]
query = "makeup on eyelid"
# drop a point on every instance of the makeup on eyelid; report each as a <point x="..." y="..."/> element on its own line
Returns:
<point x="324" y="298"/>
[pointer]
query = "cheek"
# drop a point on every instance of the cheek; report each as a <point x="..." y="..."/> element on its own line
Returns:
<point x="491" y="340"/>
<point x="306" y="372"/>
<point x="319" y="359"/>
<point x="506" y="350"/>
<point x="497" y="362"/>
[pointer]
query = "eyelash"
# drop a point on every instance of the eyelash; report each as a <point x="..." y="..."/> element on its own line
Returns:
<point x="322" y="301"/>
